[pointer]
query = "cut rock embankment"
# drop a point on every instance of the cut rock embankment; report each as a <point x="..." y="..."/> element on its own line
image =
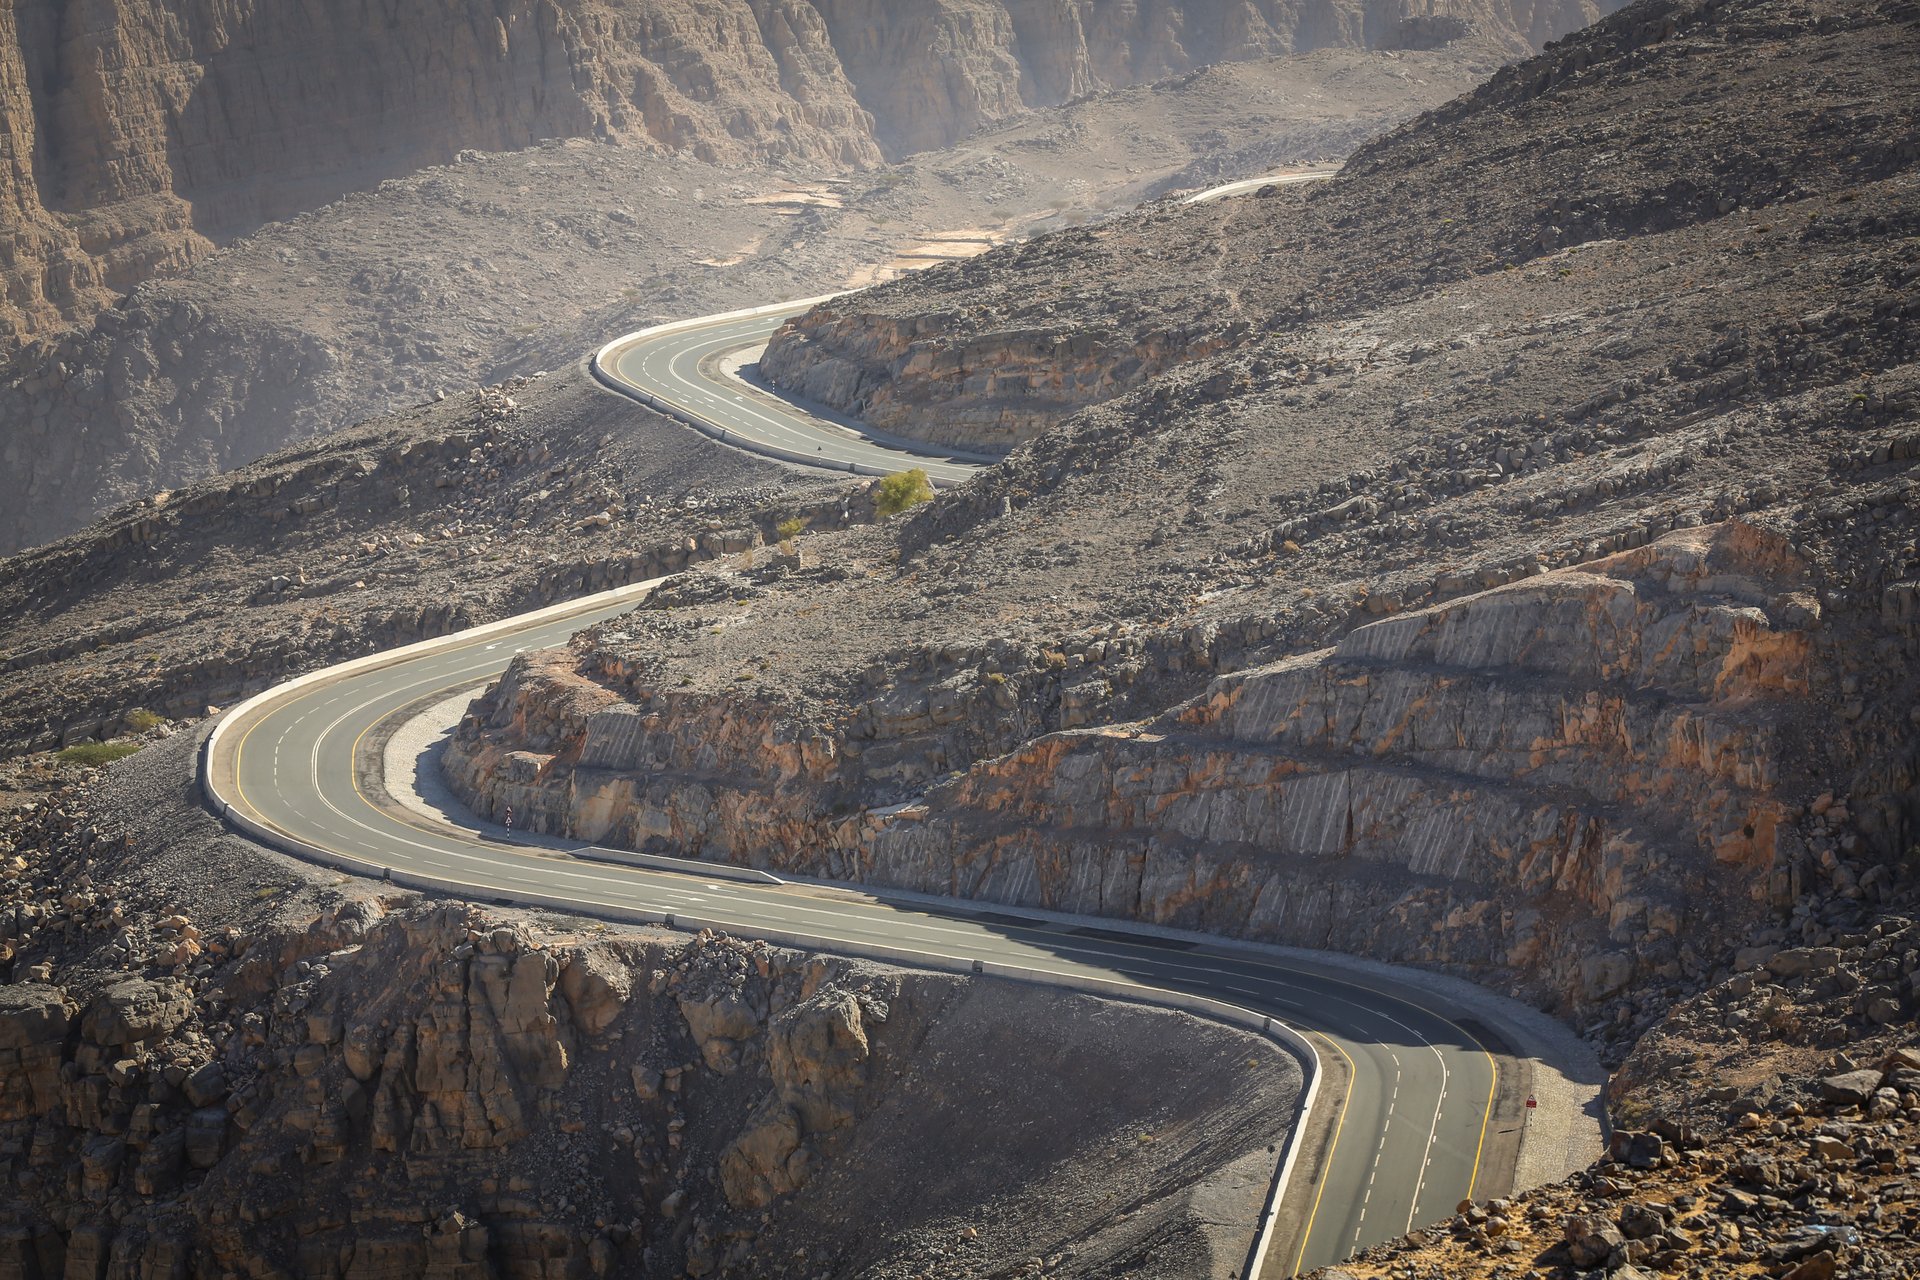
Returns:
<point x="1570" y="780"/>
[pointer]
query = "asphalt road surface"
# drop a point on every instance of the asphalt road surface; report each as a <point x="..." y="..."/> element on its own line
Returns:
<point x="1411" y="1131"/>
<point x="685" y="370"/>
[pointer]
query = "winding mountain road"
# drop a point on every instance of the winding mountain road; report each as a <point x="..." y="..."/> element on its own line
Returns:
<point x="690" y="371"/>
<point x="1419" y="1115"/>
<point x="1415" y="1128"/>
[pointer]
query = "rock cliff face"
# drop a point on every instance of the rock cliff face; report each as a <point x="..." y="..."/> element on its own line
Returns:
<point x="135" y="132"/>
<point x="1553" y="779"/>
<point x="433" y="1093"/>
<point x="138" y="130"/>
<point x="1522" y="778"/>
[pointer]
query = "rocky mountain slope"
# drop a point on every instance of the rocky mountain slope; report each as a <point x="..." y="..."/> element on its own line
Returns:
<point x="138" y="133"/>
<point x="1505" y="559"/>
<point x="1479" y="603"/>
<point x="219" y="1062"/>
<point x="1764" y="1127"/>
<point x="1610" y="137"/>
<point x="365" y="310"/>
<point x="489" y="503"/>
<point x="500" y="264"/>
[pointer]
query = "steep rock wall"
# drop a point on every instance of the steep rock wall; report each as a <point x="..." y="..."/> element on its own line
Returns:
<point x="1563" y="780"/>
<point x="440" y="1093"/>
<point x="986" y="394"/>
<point x="140" y="129"/>
<point x="133" y="133"/>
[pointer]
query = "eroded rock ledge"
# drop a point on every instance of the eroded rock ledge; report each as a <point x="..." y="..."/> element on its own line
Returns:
<point x="1563" y="784"/>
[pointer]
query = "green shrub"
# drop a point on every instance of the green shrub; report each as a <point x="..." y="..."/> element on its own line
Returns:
<point x="140" y="720"/>
<point x="895" y="493"/>
<point x="97" y="753"/>
<point x="789" y="529"/>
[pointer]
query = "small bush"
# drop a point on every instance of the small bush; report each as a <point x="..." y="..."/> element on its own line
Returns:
<point x="97" y="753"/>
<point x="140" y="720"/>
<point x="789" y="529"/>
<point x="895" y="493"/>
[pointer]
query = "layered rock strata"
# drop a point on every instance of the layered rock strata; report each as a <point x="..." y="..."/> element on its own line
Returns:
<point x="1576" y="777"/>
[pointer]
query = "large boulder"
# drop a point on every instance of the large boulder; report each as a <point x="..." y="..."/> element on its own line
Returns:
<point x="1605" y="974"/>
<point x="135" y="1011"/>
<point x="1850" y="1088"/>
<point x="1800" y="962"/>
<point x="766" y="1161"/>
<point x="34" y="1022"/>
<point x="818" y="1051"/>
<point x="597" y="985"/>
<point x="721" y="1022"/>
<point x="33" y="1013"/>
<point x="1591" y="1241"/>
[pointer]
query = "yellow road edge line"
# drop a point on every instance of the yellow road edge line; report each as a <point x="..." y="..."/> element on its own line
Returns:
<point x="239" y="747"/>
<point x="1486" y="1118"/>
<point x="1326" y="1174"/>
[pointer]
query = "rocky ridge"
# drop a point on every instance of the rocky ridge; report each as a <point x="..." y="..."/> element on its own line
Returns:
<point x="993" y="351"/>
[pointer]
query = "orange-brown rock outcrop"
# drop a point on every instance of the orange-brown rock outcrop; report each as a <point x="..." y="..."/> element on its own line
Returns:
<point x="1576" y="777"/>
